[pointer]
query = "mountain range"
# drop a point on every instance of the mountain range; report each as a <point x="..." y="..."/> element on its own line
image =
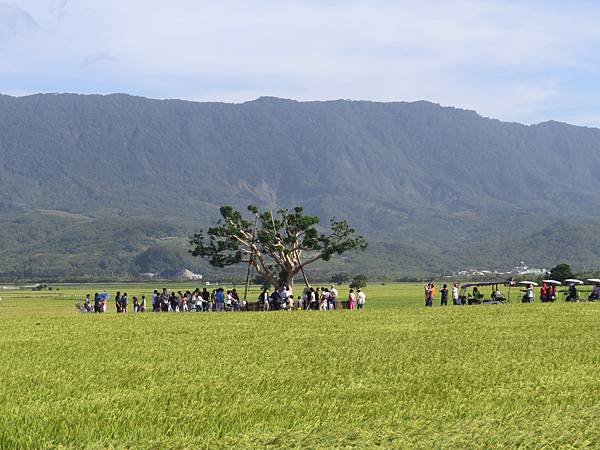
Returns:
<point x="105" y="187"/>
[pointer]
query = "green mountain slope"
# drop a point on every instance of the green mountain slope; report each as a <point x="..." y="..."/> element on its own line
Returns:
<point x="435" y="189"/>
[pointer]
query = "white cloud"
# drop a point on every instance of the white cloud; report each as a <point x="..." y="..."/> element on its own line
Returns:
<point x="506" y="59"/>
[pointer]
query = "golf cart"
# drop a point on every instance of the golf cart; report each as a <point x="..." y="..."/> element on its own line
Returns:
<point x="476" y="297"/>
<point x="595" y="293"/>
<point x="571" y="295"/>
<point x="525" y="298"/>
<point x="550" y="291"/>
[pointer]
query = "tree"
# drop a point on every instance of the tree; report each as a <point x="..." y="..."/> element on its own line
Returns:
<point x="340" y="278"/>
<point x="359" y="282"/>
<point x="259" y="279"/>
<point x="561" y="272"/>
<point x="278" y="246"/>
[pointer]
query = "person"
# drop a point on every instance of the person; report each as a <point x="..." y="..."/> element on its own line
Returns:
<point x="274" y="300"/>
<point x="300" y="303"/>
<point x="88" y="304"/>
<point x="173" y="303"/>
<point x="136" y="304"/>
<point x="164" y="300"/>
<point x="97" y="303"/>
<point x="444" y="295"/>
<point x="455" y="298"/>
<point x="179" y="297"/>
<point x="184" y="301"/>
<point x="118" y="301"/>
<point x="229" y="301"/>
<point x="142" y="307"/>
<point x="573" y="296"/>
<point x="199" y="307"/>
<point x="427" y="292"/>
<point x="595" y="294"/>
<point x="205" y="300"/>
<point x="351" y="300"/>
<point x="220" y="300"/>
<point x="311" y="299"/>
<point x="552" y="296"/>
<point x="195" y="301"/>
<point x="124" y="302"/>
<point x="155" y="301"/>
<point x="282" y="297"/>
<point x="235" y="298"/>
<point x="361" y="299"/>
<point x="494" y="295"/>
<point x="544" y="293"/>
<point x="530" y="294"/>
<point x="263" y="300"/>
<point x="323" y="300"/>
<point x="333" y="295"/>
<point x="326" y="299"/>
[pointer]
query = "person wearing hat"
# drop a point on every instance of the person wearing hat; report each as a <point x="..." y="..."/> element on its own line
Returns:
<point x="361" y="299"/>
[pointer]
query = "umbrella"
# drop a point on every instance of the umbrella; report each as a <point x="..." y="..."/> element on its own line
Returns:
<point x="533" y="283"/>
<point x="558" y="283"/>
<point x="573" y="281"/>
<point x="594" y="280"/>
<point x="103" y="296"/>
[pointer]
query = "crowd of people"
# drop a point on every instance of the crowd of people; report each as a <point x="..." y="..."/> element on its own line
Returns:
<point x="321" y="299"/>
<point x="431" y="292"/>
<point x="548" y="293"/>
<point x="281" y="299"/>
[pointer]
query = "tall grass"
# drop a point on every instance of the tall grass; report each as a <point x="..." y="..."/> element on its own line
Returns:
<point x="394" y="375"/>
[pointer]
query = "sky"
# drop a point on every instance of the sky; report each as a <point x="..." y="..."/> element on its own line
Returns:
<point x="524" y="61"/>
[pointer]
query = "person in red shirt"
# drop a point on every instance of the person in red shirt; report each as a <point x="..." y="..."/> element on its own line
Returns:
<point x="544" y="293"/>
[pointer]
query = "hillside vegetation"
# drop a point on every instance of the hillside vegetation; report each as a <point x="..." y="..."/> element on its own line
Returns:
<point x="90" y="184"/>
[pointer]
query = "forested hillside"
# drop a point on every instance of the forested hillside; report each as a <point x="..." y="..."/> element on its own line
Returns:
<point x="108" y="186"/>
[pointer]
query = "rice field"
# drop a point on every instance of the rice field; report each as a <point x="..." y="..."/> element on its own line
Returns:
<point x="395" y="375"/>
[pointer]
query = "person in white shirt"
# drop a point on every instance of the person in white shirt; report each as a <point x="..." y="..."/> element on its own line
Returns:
<point x="324" y="305"/>
<point x="530" y="294"/>
<point x="361" y="299"/>
<point x="455" y="298"/>
<point x="333" y="295"/>
<point x="311" y="299"/>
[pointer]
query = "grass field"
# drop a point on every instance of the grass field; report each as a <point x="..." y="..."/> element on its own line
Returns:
<point x="395" y="375"/>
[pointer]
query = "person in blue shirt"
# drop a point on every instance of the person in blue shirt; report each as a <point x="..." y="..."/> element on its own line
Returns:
<point x="220" y="299"/>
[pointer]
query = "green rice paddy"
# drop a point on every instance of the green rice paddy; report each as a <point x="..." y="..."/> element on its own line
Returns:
<point x="395" y="375"/>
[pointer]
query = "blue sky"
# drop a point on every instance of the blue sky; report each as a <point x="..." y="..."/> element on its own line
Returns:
<point x="525" y="61"/>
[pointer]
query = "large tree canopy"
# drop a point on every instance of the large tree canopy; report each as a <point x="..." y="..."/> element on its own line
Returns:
<point x="561" y="272"/>
<point x="278" y="246"/>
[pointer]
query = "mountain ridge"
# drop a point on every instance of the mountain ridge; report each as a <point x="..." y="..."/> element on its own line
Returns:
<point x="415" y="173"/>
